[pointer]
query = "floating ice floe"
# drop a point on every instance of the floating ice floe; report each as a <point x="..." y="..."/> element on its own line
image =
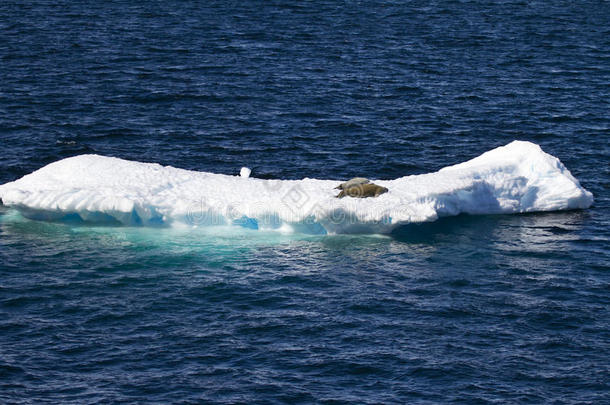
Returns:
<point x="515" y="178"/>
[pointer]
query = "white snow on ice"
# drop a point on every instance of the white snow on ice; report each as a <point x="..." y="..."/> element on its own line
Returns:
<point x="515" y="178"/>
<point x="245" y="172"/>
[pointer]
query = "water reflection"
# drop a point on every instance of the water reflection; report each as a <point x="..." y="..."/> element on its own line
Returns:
<point x="536" y="231"/>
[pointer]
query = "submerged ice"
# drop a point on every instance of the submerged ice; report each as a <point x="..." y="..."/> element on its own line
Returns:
<point x="515" y="178"/>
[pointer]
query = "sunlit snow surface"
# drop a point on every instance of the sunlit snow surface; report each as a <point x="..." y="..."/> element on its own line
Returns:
<point x="518" y="177"/>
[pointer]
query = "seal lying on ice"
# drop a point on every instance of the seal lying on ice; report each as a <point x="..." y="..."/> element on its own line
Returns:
<point x="362" y="191"/>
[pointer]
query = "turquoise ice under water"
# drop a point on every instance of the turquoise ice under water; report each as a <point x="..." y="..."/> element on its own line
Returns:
<point x="469" y="309"/>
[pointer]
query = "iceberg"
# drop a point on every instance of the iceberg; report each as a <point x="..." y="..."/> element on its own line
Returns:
<point x="515" y="178"/>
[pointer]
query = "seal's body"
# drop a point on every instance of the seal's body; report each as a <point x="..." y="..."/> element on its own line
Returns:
<point x="362" y="191"/>
<point x="353" y="182"/>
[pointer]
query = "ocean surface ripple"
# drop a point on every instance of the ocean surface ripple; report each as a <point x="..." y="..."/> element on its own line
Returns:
<point x="488" y="309"/>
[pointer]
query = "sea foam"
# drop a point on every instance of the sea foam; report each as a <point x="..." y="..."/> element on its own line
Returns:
<point x="515" y="178"/>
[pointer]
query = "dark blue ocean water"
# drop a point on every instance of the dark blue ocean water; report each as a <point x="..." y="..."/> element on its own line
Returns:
<point x="487" y="309"/>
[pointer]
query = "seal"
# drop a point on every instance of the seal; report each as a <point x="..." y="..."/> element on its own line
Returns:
<point x="363" y="191"/>
<point x="353" y="182"/>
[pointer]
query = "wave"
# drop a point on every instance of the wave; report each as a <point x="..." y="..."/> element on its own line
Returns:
<point x="515" y="178"/>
